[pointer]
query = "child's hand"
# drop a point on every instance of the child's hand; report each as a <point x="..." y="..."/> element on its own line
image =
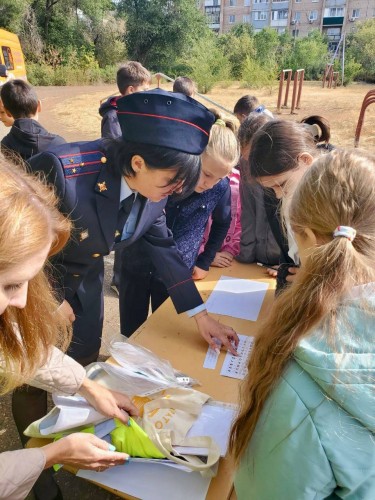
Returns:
<point x="272" y="272"/>
<point x="292" y="274"/>
<point x="199" y="274"/>
<point x="222" y="259"/>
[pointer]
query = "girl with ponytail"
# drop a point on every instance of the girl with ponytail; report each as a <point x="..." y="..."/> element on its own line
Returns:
<point x="305" y="428"/>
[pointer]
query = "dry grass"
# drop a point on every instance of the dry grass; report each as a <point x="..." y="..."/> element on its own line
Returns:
<point x="340" y="106"/>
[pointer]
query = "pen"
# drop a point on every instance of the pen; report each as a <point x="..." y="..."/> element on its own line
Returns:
<point x="266" y="266"/>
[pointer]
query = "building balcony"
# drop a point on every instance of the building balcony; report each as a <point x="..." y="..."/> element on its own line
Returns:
<point x="279" y="23"/>
<point x="333" y="21"/>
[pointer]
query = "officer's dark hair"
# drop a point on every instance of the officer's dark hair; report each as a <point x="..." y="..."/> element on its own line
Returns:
<point x="132" y="74"/>
<point x="188" y="166"/>
<point x="184" y="85"/>
<point x="19" y="98"/>
<point x="245" y="105"/>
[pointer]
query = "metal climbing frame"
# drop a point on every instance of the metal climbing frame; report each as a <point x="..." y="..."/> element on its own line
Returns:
<point x="369" y="99"/>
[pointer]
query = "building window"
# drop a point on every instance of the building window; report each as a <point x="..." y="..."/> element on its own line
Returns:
<point x="8" y="59"/>
<point x="246" y="3"/>
<point x="232" y="3"/>
<point x="298" y="1"/>
<point x="297" y="16"/>
<point x="232" y="19"/>
<point x="314" y="1"/>
<point x="278" y="1"/>
<point x="355" y="13"/>
<point x="260" y="1"/>
<point x="295" y="33"/>
<point x="246" y="18"/>
<point x="260" y="15"/>
<point x="313" y="16"/>
<point x="334" y="12"/>
<point x="278" y="15"/>
<point x="212" y="15"/>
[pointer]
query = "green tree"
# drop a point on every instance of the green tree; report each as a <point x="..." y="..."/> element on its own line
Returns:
<point x="11" y="13"/>
<point x="266" y="46"/>
<point x="237" y="45"/>
<point x="109" y="43"/>
<point x="206" y="63"/>
<point x="161" y="31"/>
<point x="311" y="54"/>
<point x="361" y="45"/>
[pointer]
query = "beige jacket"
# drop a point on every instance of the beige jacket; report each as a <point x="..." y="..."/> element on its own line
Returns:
<point x="21" y="468"/>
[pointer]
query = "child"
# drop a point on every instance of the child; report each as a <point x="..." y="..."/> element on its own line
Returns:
<point x="257" y="242"/>
<point x="248" y="104"/>
<point x="26" y="137"/>
<point x="4" y="118"/>
<point x="306" y="423"/>
<point x="131" y="77"/>
<point x="187" y="219"/>
<point x="184" y="85"/>
<point x="281" y="152"/>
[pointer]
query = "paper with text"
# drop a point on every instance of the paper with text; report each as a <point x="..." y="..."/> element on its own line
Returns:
<point x="236" y="366"/>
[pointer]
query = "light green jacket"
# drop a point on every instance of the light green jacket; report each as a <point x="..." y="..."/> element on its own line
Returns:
<point x="315" y="438"/>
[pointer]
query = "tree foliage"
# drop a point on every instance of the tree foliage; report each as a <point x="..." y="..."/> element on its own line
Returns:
<point x="361" y="45"/>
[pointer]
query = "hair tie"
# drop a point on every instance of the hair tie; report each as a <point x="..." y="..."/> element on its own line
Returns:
<point x="220" y="122"/>
<point x="260" y="109"/>
<point x="345" y="232"/>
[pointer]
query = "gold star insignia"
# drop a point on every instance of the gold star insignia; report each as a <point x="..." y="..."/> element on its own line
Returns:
<point x="84" y="235"/>
<point x="71" y="160"/>
<point x="81" y="164"/>
<point x="102" y="186"/>
<point x="74" y="170"/>
<point x="117" y="233"/>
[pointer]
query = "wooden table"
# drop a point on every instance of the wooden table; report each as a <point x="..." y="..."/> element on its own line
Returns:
<point x="175" y="337"/>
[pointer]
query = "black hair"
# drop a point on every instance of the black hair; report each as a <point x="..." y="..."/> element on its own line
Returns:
<point x="132" y="74"/>
<point x="245" y="105"/>
<point x="188" y="166"/>
<point x="275" y="148"/>
<point x="19" y="98"/>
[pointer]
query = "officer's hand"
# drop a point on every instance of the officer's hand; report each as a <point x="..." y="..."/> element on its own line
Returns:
<point x="215" y="333"/>
<point x="66" y="311"/>
<point x="198" y="273"/>
<point x="109" y="403"/>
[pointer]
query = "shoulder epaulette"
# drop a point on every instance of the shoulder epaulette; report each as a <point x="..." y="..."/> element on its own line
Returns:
<point x="82" y="163"/>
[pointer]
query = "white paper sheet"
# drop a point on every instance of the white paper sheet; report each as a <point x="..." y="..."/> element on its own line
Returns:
<point x="239" y="298"/>
<point x="215" y="421"/>
<point x="152" y="481"/>
<point x="236" y="366"/>
<point x="211" y="358"/>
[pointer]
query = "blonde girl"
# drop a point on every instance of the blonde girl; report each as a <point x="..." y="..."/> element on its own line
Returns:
<point x="305" y="428"/>
<point x="31" y="230"/>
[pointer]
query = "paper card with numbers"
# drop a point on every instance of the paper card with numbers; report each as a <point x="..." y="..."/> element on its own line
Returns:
<point x="236" y="366"/>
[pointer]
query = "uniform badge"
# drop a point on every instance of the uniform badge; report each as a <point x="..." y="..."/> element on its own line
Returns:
<point x="102" y="186"/>
<point x="117" y="233"/>
<point x="84" y="235"/>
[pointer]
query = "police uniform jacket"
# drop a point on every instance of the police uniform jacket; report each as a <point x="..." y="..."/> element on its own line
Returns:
<point x="89" y="193"/>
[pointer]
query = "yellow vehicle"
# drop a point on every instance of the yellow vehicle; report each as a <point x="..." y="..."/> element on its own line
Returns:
<point x="11" y="57"/>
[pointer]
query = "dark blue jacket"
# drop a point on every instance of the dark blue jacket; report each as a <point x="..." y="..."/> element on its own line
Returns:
<point x="89" y="192"/>
<point x="110" y="126"/>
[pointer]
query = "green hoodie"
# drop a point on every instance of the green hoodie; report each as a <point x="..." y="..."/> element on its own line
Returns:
<point x="315" y="437"/>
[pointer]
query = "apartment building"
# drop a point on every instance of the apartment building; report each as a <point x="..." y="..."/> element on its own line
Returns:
<point x="299" y="17"/>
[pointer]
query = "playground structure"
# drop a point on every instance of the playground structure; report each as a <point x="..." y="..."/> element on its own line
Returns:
<point x="330" y="77"/>
<point x="298" y="79"/>
<point x="368" y="99"/>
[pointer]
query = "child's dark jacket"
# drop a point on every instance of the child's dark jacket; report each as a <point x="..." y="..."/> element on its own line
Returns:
<point x="110" y="126"/>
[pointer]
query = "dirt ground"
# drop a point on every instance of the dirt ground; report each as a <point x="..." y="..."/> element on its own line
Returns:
<point x="72" y="112"/>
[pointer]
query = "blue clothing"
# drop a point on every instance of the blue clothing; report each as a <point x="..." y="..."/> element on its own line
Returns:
<point x="89" y="192"/>
<point x="315" y="437"/>
<point x="187" y="219"/>
<point x="110" y="126"/>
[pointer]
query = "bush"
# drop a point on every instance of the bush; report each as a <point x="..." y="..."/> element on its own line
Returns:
<point x="257" y="76"/>
<point x="40" y="74"/>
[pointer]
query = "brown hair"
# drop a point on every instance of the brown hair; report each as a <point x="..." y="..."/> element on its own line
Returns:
<point x="28" y="215"/>
<point x="250" y="125"/>
<point x="323" y="128"/>
<point x="245" y="105"/>
<point x="276" y="147"/>
<point x="339" y="189"/>
<point x="184" y="85"/>
<point x="132" y="74"/>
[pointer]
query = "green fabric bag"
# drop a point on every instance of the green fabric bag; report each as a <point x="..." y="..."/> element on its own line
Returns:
<point x="133" y="440"/>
